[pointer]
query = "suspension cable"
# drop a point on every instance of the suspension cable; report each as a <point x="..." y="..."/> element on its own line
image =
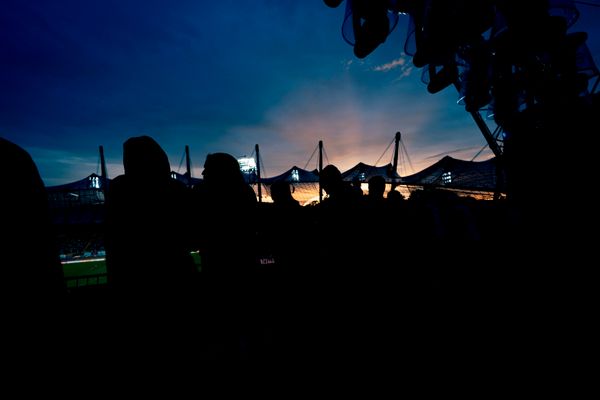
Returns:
<point x="479" y="152"/>
<point x="181" y="162"/>
<point x="385" y="151"/>
<point x="311" y="156"/>
<point x="405" y="152"/>
<point x="325" y="154"/>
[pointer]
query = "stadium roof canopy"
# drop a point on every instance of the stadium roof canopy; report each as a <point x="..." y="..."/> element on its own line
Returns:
<point x="363" y="172"/>
<point x="86" y="191"/>
<point x="91" y="181"/>
<point x="294" y="175"/>
<point x="458" y="174"/>
<point x="90" y="191"/>
<point x="188" y="181"/>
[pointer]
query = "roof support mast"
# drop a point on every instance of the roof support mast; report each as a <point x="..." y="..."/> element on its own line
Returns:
<point x="188" y="168"/>
<point x="320" y="170"/>
<point x="396" y="145"/>
<point x="258" y="173"/>
<point x="103" y="173"/>
<point x="395" y="164"/>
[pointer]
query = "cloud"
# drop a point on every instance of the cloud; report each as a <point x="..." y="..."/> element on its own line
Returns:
<point x="401" y="65"/>
<point x="398" y="63"/>
<point x="405" y="72"/>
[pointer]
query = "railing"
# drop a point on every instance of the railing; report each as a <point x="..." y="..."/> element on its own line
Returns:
<point x="74" y="282"/>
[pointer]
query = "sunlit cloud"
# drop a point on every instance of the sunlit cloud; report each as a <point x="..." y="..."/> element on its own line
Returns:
<point x="401" y="65"/>
<point x="356" y="126"/>
<point x="398" y="63"/>
<point x="404" y="72"/>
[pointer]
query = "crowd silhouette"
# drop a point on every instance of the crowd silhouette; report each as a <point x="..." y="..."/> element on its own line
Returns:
<point x="428" y="280"/>
<point x="350" y="277"/>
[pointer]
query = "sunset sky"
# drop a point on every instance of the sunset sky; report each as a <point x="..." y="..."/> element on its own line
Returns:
<point x="218" y="75"/>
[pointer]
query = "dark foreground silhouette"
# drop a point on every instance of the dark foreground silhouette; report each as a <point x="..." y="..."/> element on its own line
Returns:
<point x="31" y="271"/>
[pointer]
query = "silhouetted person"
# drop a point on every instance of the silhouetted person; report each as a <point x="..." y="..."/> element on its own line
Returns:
<point x="374" y="222"/>
<point x="281" y="221"/>
<point x="226" y="234"/>
<point x="147" y="237"/>
<point x="227" y="206"/>
<point x="376" y="188"/>
<point x="338" y="264"/>
<point x="397" y="215"/>
<point x="339" y="193"/>
<point x="31" y="270"/>
<point x="32" y="290"/>
<point x="282" y="195"/>
<point x="280" y="270"/>
<point x="395" y="198"/>
<point x="336" y="214"/>
<point x="356" y="188"/>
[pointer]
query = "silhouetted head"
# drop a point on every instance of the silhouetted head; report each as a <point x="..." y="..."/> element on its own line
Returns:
<point x="19" y="173"/>
<point x="222" y="168"/>
<point x="143" y="157"/>
<point x="280" y="192"/>
<point x="395" y="196"/>
<point x="377" y="186"/>
<point x="331" y="179"/>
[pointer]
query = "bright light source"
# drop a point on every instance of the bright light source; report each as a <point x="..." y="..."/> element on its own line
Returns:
<point x="295" y="175"/>
<point x="247" y="165"/>
<point x="94" y="182"/>
<point x="447" y="177"/>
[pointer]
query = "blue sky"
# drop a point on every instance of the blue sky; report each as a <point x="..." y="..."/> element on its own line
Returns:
<point x="218" y="76"/>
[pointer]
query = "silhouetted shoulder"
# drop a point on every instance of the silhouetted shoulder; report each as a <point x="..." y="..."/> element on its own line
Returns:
<point x="28" y="253"/>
